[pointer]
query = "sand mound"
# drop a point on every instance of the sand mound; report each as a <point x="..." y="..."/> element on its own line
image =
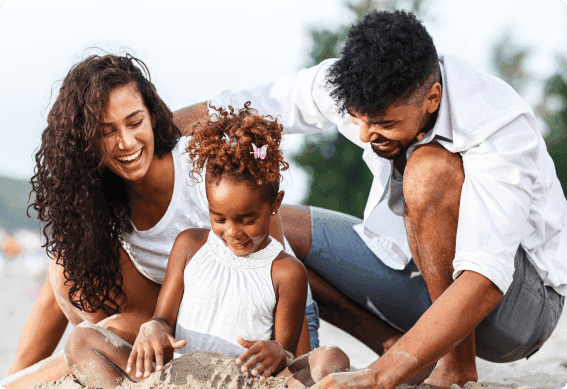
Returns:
<point x="203" y="369"/>
<point x="197" y="370"/>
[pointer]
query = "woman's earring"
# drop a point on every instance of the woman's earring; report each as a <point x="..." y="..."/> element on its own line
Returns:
<point x="273" y="213"/>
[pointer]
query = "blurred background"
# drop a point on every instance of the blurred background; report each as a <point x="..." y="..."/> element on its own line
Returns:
<point x="196" y="49"/>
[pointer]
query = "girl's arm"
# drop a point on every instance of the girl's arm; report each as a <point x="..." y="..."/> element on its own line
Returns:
<point x="157" y="333"/>
<point x="290" y="286"/>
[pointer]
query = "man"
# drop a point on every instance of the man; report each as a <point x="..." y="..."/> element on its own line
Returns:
<point x="463" y="184"/>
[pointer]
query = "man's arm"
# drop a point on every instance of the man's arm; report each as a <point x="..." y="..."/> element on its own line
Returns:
<point x="192" y="118"/>
<point x="469" y="300"/>
<point x="301" y="103"/>
<point x="42" y="331"/>
<point x="453" y="317"/>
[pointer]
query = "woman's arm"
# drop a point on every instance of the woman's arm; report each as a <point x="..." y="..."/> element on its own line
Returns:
<point x="42" y="331"/>
<point x="192" y="118"/>
<point x="290" y="286"/>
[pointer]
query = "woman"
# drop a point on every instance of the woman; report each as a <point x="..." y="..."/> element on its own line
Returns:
<point x="105" y="184"/>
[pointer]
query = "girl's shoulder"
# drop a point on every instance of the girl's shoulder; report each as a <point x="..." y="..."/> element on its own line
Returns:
<point x="191" y="240"/>
<point x="286" y="268"/>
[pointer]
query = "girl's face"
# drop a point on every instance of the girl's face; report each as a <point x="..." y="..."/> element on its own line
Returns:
<point x="239" y="215"/>
<point x="126" y="135"/>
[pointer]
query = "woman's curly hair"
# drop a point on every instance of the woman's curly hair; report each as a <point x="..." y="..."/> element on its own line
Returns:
<point x="224" y="147"/>
<point x="387" y="57"/>
<point x="84" y="205"/>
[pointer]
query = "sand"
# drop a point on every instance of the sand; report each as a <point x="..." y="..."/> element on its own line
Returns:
<point x="199" y="369"/>
<point x="209" y="370"/>
<point x="21" y="280"/>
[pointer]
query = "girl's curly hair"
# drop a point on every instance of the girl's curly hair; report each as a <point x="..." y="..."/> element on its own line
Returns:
<point x="224" y="147"/>
<point x="84" y="205"/>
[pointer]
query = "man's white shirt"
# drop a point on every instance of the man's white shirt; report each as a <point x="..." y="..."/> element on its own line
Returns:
<point x="510" y="196"/>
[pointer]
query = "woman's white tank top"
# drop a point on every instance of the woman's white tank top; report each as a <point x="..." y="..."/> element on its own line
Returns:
<point x="189" y="208"/>
<point x="226" y="296"/>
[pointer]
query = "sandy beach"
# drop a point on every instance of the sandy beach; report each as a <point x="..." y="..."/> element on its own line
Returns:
<point x="22" y="278"/>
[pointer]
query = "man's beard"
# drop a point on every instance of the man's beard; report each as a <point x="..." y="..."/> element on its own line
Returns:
<point x="386" y="155"/>
<point x="425" y="126"/>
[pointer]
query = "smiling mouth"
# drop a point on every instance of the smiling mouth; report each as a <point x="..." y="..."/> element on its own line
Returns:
<point x="131" y="158"/>
<point x="382" y="144"/>
<point x="237" y="245"/>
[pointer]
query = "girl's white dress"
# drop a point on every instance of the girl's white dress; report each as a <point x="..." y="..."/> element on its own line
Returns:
<point x="226" y="296"/>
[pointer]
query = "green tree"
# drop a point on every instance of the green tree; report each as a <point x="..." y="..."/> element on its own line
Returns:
<point x="340" y="178"/>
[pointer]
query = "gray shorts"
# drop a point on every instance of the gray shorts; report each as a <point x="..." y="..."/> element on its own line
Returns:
<point x="515" y="329"/>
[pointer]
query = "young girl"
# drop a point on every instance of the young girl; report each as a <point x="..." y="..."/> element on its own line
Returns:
<point x="231" y="289"/>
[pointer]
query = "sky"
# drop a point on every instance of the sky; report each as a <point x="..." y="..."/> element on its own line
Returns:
<point x="197" y="49"/>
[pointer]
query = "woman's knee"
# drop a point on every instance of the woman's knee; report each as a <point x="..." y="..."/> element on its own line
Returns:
<point x="124" y="325"/>
<point x="80" y="342"/>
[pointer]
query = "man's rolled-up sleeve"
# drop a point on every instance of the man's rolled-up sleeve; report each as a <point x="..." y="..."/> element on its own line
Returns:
<point x="301" y="103"/>
<point x="495" y="201"/>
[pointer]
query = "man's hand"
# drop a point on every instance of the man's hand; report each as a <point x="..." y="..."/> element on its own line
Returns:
<point x="269" y="354"/>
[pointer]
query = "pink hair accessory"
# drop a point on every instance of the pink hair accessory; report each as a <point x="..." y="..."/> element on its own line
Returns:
<point x="259" y="152"/>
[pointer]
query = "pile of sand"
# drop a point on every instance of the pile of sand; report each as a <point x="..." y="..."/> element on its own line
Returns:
<point x="209" y="370"/>
<point x="197" y="370"/>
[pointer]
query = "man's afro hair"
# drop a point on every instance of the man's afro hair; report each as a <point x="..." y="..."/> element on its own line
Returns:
<point x="387" y="57"/>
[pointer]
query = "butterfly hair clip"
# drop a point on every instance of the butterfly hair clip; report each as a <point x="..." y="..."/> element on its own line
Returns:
<point x="259" y="152"/>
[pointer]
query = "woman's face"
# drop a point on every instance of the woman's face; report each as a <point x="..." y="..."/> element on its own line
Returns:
<point x="126" y="134"/>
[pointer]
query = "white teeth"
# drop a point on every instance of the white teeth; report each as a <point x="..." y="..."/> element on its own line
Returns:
<point x="383" y="143"/>
<point x="130" y="158"/>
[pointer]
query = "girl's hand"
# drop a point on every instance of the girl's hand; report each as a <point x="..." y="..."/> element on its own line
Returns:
<point x="269" y="354"/>
<point x="153" y="337"/>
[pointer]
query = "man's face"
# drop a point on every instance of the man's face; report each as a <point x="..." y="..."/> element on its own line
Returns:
<point x="402" y="125"/>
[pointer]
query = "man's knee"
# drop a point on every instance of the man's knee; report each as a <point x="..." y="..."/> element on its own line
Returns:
<point x="433" y="178"/>
<point x="297" y="228"/>
<point x="296" y="218"/>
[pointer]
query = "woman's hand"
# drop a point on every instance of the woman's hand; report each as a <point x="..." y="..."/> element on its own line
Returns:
<point x="154" y="336"/>
<point x="268" y="354"/>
